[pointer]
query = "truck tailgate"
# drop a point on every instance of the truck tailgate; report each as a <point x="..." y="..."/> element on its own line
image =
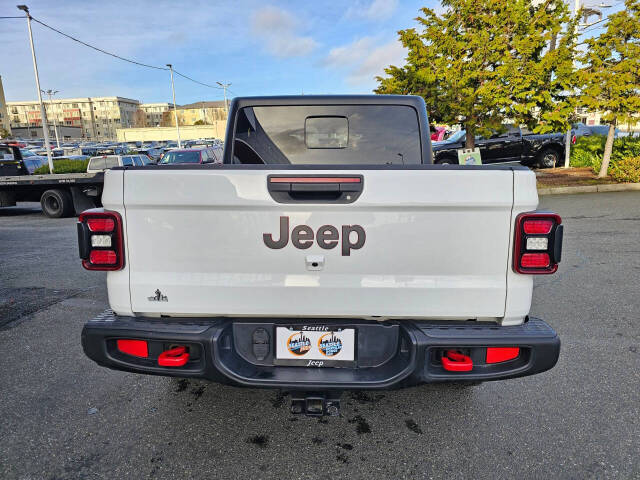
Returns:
<point x="437" y="244"/>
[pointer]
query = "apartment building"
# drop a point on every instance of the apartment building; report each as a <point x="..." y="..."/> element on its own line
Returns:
<point x="150" y="114"/>
<point x="203" y="113"/>
<point x="4" y="116"/>
<point x="97" y="117"/>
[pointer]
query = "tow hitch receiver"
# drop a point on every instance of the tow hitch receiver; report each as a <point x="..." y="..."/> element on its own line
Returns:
<point x="175" y="357"/>
<point x="316" y="404"/>
<point x="453" y="361"/>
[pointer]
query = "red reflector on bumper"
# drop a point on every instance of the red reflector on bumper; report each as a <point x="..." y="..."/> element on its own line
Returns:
<point x="535" y="260"/>
<point x="103" y="257"/>
<point x="502" y="354"/>
<point x="539" y="227"/>
<point x="101" y="224"/>
<point x="137" y="348"/>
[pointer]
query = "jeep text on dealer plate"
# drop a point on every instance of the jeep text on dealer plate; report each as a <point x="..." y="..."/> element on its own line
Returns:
<point x="326" y="253"/>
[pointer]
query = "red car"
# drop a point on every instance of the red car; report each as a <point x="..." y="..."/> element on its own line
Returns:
<point x="438" y="133"/>
<point x="191" y="155"/>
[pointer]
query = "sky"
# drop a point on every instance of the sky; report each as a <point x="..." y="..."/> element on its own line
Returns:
<point x="260" y="47"/>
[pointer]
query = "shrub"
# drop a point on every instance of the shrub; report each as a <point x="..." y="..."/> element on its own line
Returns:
<point x="626" y="170"/>
<point x="588" y="151"/>
<point x="625" y="147"/>
<point x="581" y="158"/>
<point x="64" y="166"/>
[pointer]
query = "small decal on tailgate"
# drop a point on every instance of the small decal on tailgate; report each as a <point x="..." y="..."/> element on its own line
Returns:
<point x="158" y="297"/>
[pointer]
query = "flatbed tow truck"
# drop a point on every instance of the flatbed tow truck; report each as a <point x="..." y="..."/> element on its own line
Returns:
<point x="60" y="195"/>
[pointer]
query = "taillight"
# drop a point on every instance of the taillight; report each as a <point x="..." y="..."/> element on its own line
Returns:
<point x="538" y="243"/>
<point x="100" y="240"/>
<point x="101" y="224"/>
<point x="573" y="140"/>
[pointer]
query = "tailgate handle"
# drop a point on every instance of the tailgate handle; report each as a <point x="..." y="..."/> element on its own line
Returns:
<point x="315" y="188"/>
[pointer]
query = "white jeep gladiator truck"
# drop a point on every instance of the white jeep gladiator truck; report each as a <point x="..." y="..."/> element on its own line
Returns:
<point x="326" y="253"/>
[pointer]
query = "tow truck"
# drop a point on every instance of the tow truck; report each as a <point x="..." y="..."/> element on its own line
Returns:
<point x="60" y="195"/>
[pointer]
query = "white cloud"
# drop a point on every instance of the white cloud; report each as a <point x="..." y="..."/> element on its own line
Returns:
<point x="363" y="59"/>
<point x="270" y="20"/>
<point x="349" y="55"/>
<point x="376" y="10"/>
<point x="278" y="28"/>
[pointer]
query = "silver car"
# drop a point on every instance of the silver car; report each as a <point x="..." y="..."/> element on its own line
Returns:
<point x="106" y="162"/>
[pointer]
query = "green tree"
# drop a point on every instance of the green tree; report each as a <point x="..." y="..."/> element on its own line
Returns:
<point x="486" y="62"/>
<point x="610" y="73"/>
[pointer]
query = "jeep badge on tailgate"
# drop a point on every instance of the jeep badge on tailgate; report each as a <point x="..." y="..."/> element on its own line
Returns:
<point x="327" y="237"/>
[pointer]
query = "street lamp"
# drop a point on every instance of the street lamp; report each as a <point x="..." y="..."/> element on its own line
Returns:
<point x="224" y="87"/>
<point x="43" y="114"/>
<point x="55" y="125"/>
<point x="175" y="110"/>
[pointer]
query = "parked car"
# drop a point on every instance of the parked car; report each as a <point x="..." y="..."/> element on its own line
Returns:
<point x="153" y="153"/>
<point x="192" y="155"/>
<point x="42" y="151"/>
<point x="582" y="130"/>
<point x="437" y="133"/>
<point x="544" y="150"/>
<point x="90" y="150"/>
<point x="169" y="146"/>
<point x="32" y="161"/>
<point x="106" y="162"/>
<point x="145" y="159"/>
<point x="112" y="150"/>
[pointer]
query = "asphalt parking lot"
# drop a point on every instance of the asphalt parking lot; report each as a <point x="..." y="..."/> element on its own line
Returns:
<point x="63" y="417"/>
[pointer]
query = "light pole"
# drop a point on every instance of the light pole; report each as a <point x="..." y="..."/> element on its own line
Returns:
<point x="175" y="111"/>
<point x="224" y="87"/>
<point x="55" y="125"/>
<point x="43" y="114"/>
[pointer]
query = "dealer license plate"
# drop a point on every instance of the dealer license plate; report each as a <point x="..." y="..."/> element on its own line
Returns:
<point x="315" y="346"/>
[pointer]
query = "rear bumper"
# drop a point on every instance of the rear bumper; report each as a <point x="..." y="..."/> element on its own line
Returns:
<point x="389" y="355"/>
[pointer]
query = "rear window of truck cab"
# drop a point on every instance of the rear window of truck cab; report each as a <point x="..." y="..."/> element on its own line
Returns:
<point x="328" y="135"/>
